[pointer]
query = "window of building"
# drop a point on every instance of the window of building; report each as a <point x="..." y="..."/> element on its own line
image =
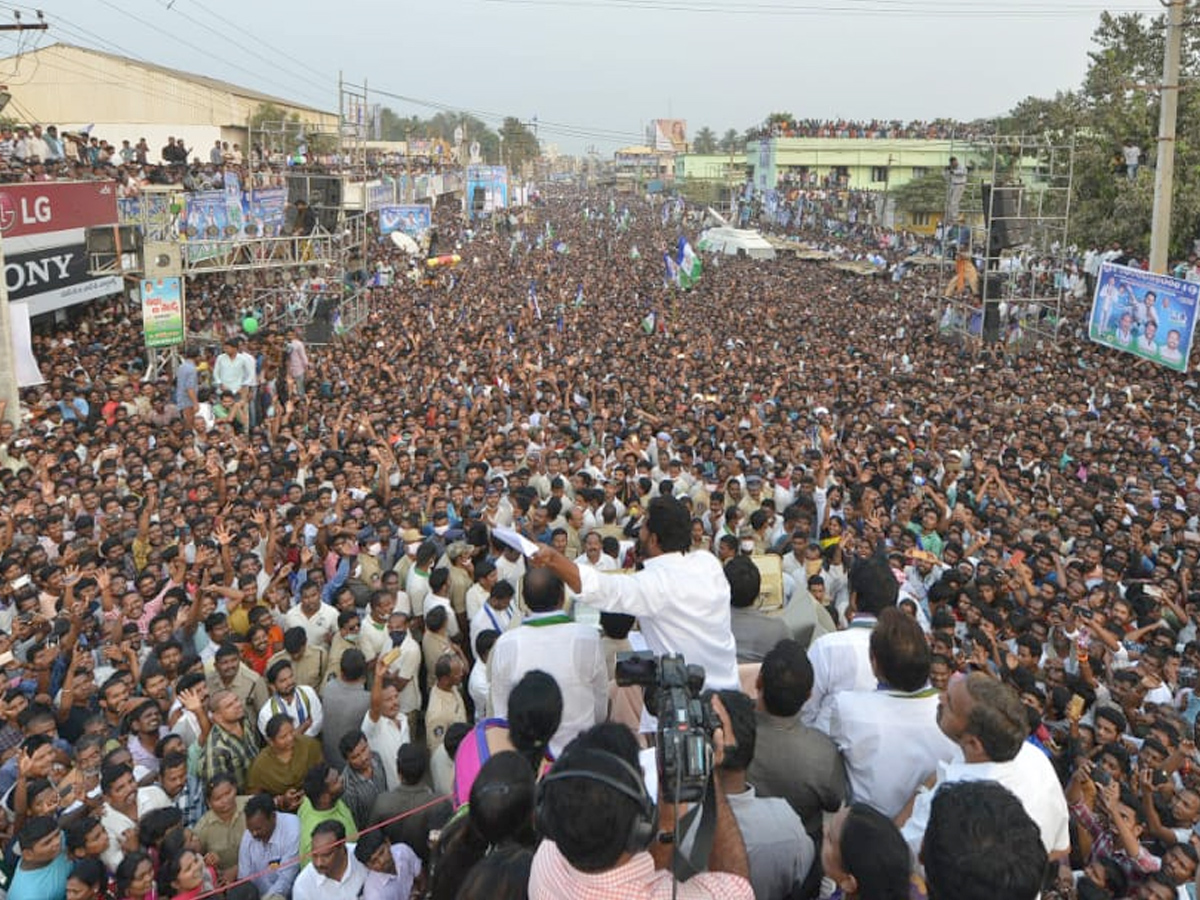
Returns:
<point x="879" y="173"/>
<point x="920" y="171"/>
<point x="922" y="218"/>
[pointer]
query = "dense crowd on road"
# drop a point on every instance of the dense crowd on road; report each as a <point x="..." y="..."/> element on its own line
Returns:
<point x="266" y="630"/>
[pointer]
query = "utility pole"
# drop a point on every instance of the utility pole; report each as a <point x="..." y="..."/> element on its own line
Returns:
<point x="1164" y="173"/>
<point x="10" y="394"/>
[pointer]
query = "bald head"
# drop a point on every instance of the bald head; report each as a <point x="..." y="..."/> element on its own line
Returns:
<point x="543" y="590"/>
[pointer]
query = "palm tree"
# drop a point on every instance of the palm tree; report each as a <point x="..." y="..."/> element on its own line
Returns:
<point x="705" y="141"/>
<point x="731" y="141"/>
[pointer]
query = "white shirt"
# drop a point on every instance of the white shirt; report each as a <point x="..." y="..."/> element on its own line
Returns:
<point x="682" y="605"/>
<point x="479" y="687"/>
<point x="432" y="600"/>
<point x="1029" y="775"/>
<point x="571" y="653"/>
<point x="891" y="744"/>
<point x="394" y="887"/>
<point x="373" y="638"/>
<point x="312" y="885"/>
<point x="489" y="619"/>
<point x="386" y="737"/>
<point x="233" y="374"/>
<point x="841" y="662"/>
<point x="320" y="627"/>
<point x="304" y="705"/>
<point x="476" y="598"/>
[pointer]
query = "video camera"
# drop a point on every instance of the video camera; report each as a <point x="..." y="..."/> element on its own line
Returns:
<point x="686" y="720"/>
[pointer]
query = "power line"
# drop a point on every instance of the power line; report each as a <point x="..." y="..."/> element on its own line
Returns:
<point x="878" y="8"/>
<point x="172" y="6"/>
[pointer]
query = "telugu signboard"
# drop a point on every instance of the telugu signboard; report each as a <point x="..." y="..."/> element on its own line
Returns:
<point x="1148" y="315"/>
<point x="162" y="311"/>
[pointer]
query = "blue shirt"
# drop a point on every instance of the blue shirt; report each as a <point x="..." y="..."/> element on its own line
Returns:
<point x="186" y="379"/>
<point x="41" y="884"/>
<point x="269" y="858"/>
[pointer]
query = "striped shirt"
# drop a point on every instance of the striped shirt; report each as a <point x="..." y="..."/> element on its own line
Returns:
<point x="224" y="751"/>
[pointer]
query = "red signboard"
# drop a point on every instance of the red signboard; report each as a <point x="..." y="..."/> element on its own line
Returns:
<point x="43" y="207"/>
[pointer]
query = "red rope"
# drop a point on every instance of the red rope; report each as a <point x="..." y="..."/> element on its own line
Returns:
<point x="300" y="860"/>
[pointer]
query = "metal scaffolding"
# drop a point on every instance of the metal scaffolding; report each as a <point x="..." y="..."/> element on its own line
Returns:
<point x="1004" y="239"/>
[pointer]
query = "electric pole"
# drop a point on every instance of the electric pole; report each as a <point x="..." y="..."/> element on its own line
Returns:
<point x="1164" y="173"/>
<point x="9" y="393"/>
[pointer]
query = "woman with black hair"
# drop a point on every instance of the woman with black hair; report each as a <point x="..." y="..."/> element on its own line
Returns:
<point x="500" y="813"/>
<point x="534" y="713"/>
<point x="865" y="855"/>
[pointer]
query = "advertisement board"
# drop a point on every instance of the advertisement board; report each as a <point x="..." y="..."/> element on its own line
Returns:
<point x="669" y="135"/>
<point x="487" y="190"/>
<point x="43" y="207"/>
<point x="162" y="311"/>
<point x="412" y="220"/>
<point x="1148" y="315"/>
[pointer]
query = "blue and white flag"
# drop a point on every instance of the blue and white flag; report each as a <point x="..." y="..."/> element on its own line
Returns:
<point x="533" y="299"/>
<point x="579" y="295"/>
<point x="687" y="264"/>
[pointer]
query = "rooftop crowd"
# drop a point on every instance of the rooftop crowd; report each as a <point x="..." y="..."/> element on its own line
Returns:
<point x="261" y="636"/>
<point x="875" y="129"/>
<point x="41" y="153"/>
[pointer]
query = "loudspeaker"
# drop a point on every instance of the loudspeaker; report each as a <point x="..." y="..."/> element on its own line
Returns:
<point x="573" y="766"/>
<point x="992" y="288"/>
<point x="1001" y="208"/>
<point x="162" y="260"/>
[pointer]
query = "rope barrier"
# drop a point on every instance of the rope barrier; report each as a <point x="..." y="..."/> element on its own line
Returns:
<point x="300" y="860"/>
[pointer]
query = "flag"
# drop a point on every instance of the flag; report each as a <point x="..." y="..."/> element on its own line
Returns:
<point x="649" y="321"/>
<point x="634" y="254"/>
<point x="533" y="300"/>
<point x="509" y="329"/>
<point x="559" y="324"/>
<point x="579" y="295"/>
<point x="688" y="263"/>
<point x="672" y="273"/>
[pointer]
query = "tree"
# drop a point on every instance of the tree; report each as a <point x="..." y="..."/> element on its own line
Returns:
<point x="705" y="141"/>
<point x="1118" y="102"/>
<point x="921" y="195"/>
<point x="520" y="145"/>
<point x="732" y="142"/>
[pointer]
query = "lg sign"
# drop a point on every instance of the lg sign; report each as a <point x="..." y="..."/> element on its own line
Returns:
<point x="28" y="211"/>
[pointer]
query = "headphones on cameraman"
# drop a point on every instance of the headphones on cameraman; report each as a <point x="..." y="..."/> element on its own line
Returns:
<point x="642" y="829"/>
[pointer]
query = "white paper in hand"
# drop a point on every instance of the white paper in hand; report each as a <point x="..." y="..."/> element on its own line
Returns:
<point x="516" y="540"/>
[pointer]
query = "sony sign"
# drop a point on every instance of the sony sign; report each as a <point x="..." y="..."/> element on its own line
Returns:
<point x="34" y="273"/>
<point x="39" y="271"/>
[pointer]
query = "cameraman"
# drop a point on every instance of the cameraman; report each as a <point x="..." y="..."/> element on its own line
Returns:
<point x="681" y="599"/>
<point x="590" y="818"/>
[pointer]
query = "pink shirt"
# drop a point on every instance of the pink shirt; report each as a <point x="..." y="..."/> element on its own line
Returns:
<point x="553" y="878"/>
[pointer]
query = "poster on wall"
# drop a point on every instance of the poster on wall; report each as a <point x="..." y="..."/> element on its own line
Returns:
<point x="1148" y="315"/>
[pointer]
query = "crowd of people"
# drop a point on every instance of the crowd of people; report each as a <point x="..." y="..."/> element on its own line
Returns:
<point x="343" y="620"/>
<point x="42" y="153"/>
<point x="875" y="129"/>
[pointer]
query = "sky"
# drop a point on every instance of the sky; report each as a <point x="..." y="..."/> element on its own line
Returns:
<point x="595" y="72"/>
